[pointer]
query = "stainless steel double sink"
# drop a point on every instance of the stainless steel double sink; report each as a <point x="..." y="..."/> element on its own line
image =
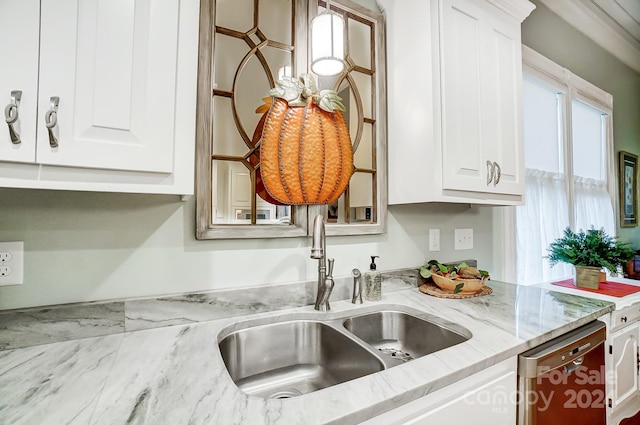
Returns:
<point x="296" y="355"/>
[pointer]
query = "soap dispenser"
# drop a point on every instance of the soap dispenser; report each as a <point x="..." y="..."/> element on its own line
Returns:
<point x="373" y="282"/>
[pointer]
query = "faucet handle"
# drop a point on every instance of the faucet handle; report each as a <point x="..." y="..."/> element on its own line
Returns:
<point x="330" y="269"/>
<point x="328" y="288"/>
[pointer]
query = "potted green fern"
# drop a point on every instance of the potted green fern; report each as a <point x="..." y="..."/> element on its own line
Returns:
<point x="589" y="252"/>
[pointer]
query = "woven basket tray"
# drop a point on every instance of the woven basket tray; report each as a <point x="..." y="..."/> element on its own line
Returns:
<point x="431" y="289"/>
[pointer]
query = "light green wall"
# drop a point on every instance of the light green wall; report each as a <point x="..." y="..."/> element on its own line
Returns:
<point x="551" y="36"/>
<point x="83" y="246"/>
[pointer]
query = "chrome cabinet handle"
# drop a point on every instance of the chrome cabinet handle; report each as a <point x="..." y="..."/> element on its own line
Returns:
<point x="11" y="116"/>
<point x="498" y="174"/>
<point x="490" y="171"/>
<point x="51" y="120"/>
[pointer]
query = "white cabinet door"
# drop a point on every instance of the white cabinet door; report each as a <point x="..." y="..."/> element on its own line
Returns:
<point x="112" y="64"/>
<point x="481" y="93"/>
<point x="19" y="32"/>
<point x="624" y="364"/>
<point x="486" y="398"/>
<point x="462" y="54"/>
<point x="504" y="134"/>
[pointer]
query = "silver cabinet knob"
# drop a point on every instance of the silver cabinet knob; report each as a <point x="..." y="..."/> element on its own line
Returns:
<point x="51" y="120"/>
<point x="11" y="116"/>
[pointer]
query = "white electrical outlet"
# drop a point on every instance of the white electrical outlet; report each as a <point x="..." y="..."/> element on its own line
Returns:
<point x="11" y="263"/>
<point x="434" y="239"/>
<point x="463" y="239"/>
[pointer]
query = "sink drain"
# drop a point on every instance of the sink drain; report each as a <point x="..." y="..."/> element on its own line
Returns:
<point x="285" y="394"/>
<point x="398" y="354"/>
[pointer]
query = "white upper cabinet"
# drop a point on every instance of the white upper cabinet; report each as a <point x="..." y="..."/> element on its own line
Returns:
<point x="114" y="108"/>
<point x="455" y="120"/>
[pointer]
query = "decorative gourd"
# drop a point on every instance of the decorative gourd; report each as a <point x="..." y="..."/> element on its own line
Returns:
<point x="254" y="157"/>
<point x="306" y="156"/>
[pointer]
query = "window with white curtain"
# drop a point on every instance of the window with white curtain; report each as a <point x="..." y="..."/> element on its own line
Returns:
<point x="569" y="164"/>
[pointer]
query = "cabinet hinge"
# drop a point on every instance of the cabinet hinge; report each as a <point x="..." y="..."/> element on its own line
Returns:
<point x="610" y="349"/>
<point x="610" y="403"/>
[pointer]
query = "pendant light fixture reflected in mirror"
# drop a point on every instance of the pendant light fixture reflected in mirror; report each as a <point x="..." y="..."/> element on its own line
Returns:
<point x="327" y="43"/>
<point x="284" y="73"/>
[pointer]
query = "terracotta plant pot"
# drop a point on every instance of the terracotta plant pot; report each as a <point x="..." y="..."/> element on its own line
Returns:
<point x="588" y="277"/>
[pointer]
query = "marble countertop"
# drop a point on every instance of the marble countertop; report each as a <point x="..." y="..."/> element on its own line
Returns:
<point x="175" y="374"/>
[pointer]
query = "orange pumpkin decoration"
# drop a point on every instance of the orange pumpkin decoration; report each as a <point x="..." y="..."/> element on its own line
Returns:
<point x="306" y="156"/>
<point x="254" y="157"/>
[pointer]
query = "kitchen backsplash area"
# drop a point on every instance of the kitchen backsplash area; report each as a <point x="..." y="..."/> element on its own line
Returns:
<point x="85" y="246"/>
<point x="44" y="325"/>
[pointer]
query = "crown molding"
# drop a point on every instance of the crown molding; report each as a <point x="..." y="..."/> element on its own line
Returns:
<point x="519" y="9"/>
<point x="592" y="22"/>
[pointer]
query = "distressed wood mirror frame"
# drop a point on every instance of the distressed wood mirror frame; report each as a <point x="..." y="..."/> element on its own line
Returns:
<point x="361" y="211"/>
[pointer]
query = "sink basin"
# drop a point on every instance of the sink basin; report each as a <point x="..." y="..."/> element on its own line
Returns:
<point x="287" y="359"/>
<point x="298" y="355"/>
<point x="404" y="336"/>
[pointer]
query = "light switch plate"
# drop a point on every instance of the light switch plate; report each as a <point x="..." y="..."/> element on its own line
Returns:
<point x="11" y="263"/>
<point x="434" y="239"/>
<point x="463" y="239"/>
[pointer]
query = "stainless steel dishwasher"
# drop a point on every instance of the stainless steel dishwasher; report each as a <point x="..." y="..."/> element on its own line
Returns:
<point x="563" y="380"/>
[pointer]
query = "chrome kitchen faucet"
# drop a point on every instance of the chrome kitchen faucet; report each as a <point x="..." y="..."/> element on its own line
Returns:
<point x="318" y="252"/>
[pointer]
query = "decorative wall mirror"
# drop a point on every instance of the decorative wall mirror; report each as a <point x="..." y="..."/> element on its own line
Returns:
<point x="250" y="44"/>
<point x="362" y="208"/>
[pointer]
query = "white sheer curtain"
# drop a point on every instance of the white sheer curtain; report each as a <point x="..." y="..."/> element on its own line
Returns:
<point x="545" y="215"/>
<point x="593" y="205"/>
<point x="541" y="220"/>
